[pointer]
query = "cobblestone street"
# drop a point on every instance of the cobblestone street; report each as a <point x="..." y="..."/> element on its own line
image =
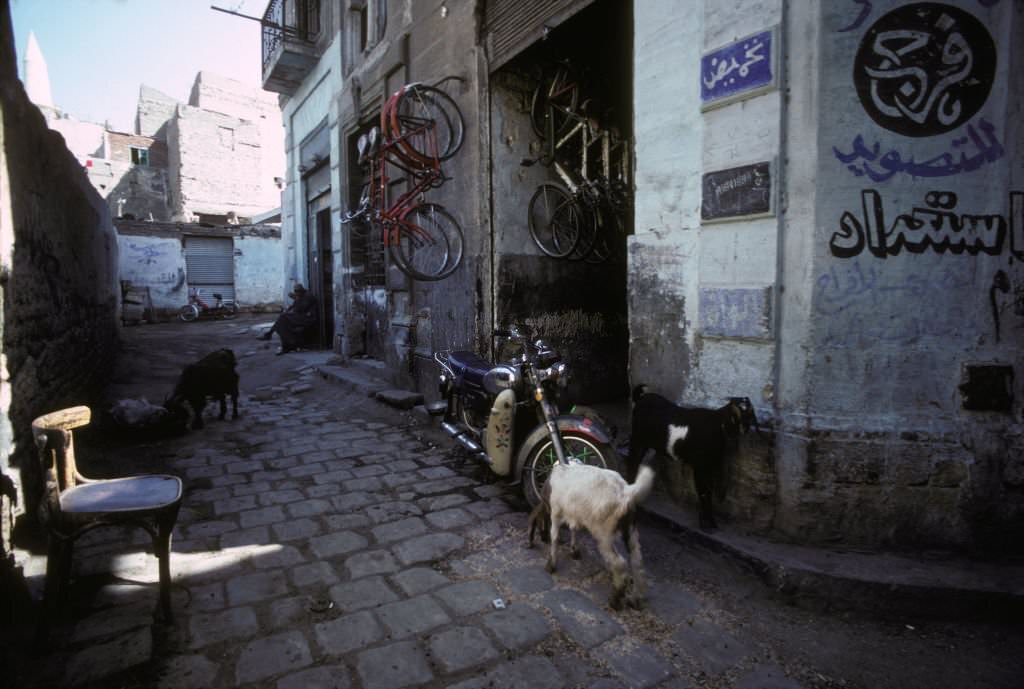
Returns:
<point x="327" y="540"/>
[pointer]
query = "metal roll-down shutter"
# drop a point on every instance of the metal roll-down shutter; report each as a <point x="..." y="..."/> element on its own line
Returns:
<point x="210" y="266"/>
<point x="513" y="25"/>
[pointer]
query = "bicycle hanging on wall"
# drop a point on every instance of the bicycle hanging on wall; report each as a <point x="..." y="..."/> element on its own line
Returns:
<point x="585" y="216"/>
<point x="420" y="126"/>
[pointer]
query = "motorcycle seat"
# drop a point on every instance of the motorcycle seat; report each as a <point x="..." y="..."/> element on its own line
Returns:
<point x="469" y="366"/>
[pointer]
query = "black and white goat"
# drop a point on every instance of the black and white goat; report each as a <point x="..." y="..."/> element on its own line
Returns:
<point x="694" y="435"/>
<point x="212" y="376"/>
<point x="600" y="501"/>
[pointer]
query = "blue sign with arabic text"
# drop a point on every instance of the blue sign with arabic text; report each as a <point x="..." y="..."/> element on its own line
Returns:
<point x="738" y="69"/>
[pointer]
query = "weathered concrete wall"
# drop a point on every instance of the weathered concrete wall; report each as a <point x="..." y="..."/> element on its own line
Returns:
<point x="215" y="165"/>
<point x="152" y="255"/>
<point x="132" y="190"/>
<point x="119" y="148"/>
<point x="154" y="111"/>
<point x="914" y="288"/>
<point x="59" y="279"/>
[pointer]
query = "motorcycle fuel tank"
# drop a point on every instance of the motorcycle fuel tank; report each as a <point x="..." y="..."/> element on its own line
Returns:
<point x="500" y="378"/>
<point x="498" y="436"/>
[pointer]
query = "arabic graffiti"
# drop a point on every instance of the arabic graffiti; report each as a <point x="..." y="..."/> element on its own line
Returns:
<point x="934" y="227"/>
<point x="865" y="11"/>
<point x="924" y="69"/>
<point x="863" y="303"/>
<point x="879" y="167"/>
<point x="739" y="69"/>
<point x="146" y="254"/>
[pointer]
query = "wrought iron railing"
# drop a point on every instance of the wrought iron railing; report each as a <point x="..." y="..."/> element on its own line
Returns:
<point x="289" y="19"/>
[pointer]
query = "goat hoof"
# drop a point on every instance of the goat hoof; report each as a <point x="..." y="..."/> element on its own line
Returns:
<point x="550" y="567"/>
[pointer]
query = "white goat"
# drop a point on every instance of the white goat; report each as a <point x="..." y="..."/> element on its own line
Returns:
<point x="601" y="501"/>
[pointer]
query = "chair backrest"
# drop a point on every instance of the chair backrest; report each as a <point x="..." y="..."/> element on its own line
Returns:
<point x="57" y="451"/>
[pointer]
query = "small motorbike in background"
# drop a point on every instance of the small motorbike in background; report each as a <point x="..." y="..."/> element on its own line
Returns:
<point x="508" y="416"/>
<point x="197" y="309"/>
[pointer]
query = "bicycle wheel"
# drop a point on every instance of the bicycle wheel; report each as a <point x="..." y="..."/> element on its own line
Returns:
<point x="188" y="313"/>
<point x="230" y="310"/>
<point x="554" y="98"/>
<point x="430" y="243"/>
<point x="556" y="221"/>
<point x="411" y="116"/>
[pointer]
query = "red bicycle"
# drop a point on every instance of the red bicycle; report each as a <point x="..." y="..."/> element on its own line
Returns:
<point x="196" y="308"/>
<point x="420" y="126"/>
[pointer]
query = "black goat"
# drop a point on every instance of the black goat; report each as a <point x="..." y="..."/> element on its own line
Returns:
<point x="212" y="376"/>
<point x="694" y="435"/>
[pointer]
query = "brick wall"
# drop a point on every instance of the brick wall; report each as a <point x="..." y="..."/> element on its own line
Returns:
<point x="120" y="146"/>
<point x="58" y="279"/>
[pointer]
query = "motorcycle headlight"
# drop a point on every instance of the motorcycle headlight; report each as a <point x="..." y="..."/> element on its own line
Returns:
<point x="500" y="378"/>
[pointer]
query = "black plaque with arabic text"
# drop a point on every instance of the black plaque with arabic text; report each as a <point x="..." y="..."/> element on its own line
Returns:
<point x="737" y="192"/>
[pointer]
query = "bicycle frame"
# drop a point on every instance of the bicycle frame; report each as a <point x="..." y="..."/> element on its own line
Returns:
<point x="391" y="216"/>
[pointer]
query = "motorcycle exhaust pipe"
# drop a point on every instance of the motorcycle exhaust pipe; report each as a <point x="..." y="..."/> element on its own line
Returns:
<point x="463" y="438"/>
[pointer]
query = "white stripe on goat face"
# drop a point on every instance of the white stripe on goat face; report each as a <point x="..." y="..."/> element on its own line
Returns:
<point x="675" y="434"/>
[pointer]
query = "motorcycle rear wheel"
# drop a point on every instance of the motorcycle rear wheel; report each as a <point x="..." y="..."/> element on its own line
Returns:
<point x="579" y="448"/>
<point x="188" y="313"/>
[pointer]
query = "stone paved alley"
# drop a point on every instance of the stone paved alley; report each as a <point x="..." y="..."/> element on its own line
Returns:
<point x="329" y="541"/>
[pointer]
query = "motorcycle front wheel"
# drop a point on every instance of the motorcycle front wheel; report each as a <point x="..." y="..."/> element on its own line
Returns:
<point x="579" y="449"/>
<point x="188" y="313"/>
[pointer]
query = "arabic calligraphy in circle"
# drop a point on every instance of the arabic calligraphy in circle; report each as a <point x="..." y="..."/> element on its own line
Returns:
<point x="924" y="69"/>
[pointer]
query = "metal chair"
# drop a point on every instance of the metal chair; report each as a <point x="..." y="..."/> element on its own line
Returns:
<point x="73" y="505"/>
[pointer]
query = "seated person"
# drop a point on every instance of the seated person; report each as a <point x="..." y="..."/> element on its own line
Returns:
<point x="295" y="323"/>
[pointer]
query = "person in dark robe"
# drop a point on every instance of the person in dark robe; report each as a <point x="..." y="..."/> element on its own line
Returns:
<point x="295" y="324"/>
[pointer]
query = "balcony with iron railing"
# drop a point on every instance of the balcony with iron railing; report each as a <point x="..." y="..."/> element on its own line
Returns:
<point x="290" y="31"/>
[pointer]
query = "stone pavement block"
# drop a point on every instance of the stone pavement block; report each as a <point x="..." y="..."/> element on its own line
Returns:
<point x="451" y="519"/>
<point x="370" y="483"/>
<point x="208" y="529"/>
<point x="362" y="593"/>
<point x="322" y="677"/>
<point x="412" y="616"/>
<point x="307" y="470"/>
<point x="256" y="587"/>
<point x="431" y="473"/>
<point x="419" y="580"/>
<point x="527" y="580"/>
<point x="288" y="612"/>
<point x="273" y="655"/>
<point x="530" y="672"/>
<point x="344" y="522"/>
<point x="460" y="648"/>
<point x="105" y="623"/>
<point x="277" y="556"/>
<point x="337" y="543"/>
<point x="714" y="649"/>
<point x="372" y="562"/>
<point x="281" y="497"/>
<point x="348" y="633"/>
<point x="580" y="618"/>
<point x="308" y="507"/>
<point x="390" y="511"/>
<point x="234" y="623"/>
<point x="232" y="505"/>
<point x="672" y="603"/>
<point x="401" y="465"/>
<point x="187" y="672"/>
<point x="443" y="485"/>
<point x="369" y="470"/>
<point x="203" y="471"/>
<point x="351" y="501"/>
<point x="227" y="480"/>
<point x="333" y="477"/>
<point x="392" y="667"/>
<point x="518" y="626"/>
<point x="313" y="573"/>
<point x="396" y="480"/>
<point x="766" y="677"/>
<point x="399" y="530"/>
<point x="208" y="494"/>
<point x="244" y="467"/>
<point x="205" y="598"/>
<point x="250" y="488"/>
<point x="468" y="597"/>
<point x="427" y="548"/>
<point x="639" y="665"/>
<point x="492" y="490"/>
<point x="485" y="509"/>
<point x="101" y="660"/>
<point x="294" y="529"/>
<point x="258" y="535"/>
<point x="441" y="502"/>
<point x="266" y="515"/>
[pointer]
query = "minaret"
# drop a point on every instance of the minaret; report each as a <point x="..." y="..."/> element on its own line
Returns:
<point x="37" y="76"/>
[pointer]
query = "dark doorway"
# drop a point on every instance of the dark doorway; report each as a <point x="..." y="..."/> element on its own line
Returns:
<point x="321" y="264"/>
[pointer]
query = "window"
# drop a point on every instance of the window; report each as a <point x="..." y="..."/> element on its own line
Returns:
<point x="140" y="156"/>
<point x="227" y="137"/>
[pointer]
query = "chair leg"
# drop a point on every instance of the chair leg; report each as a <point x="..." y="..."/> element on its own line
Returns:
<point x="57" y="557"/>
<point x="162" y="546"/>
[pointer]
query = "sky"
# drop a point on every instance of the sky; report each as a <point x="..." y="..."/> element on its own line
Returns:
<point x="98" y="52"/>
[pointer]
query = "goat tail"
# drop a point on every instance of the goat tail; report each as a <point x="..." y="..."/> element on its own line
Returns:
<point x="638" y="491"/>
<point x="638" y="392"/>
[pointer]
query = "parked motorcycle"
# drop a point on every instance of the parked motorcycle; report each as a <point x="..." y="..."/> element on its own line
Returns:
<point x="196" y="308"/>
<point x="508" y="415"/>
